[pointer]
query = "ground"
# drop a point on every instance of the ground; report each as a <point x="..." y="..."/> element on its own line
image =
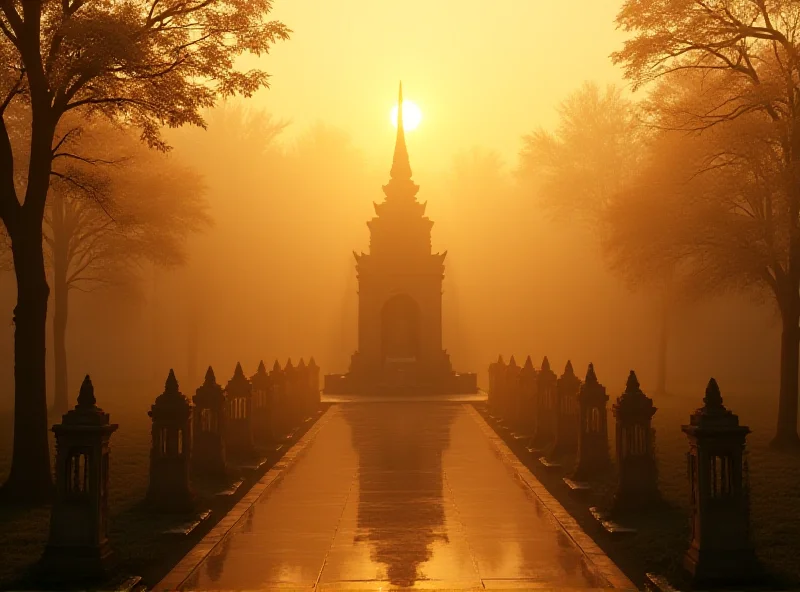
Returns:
<point x="663" y="536"/>
<point x="136" y="538"/>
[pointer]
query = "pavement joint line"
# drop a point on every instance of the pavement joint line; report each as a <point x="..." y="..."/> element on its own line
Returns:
<point x="607" y="570"/>
<point x="179" y="574"/>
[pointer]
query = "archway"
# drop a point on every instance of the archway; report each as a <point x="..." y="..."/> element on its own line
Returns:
<point x="400" y="329"/>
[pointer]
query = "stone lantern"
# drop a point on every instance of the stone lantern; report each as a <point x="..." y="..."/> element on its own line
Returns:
<point x="261" y="410"/>
<point x="636" y="460"/>
<point x="545" y="406"/>
<point x="278" y="400"/>
<point x="567" y="413"/>
<point x="497" y="388"/>
<point x="301" y="390"/>
<point x="313" y="376"/>
<point x="511" y="380"/>
<point x="171" y="451"/>
<point x="208" y="433"/>
<point x="593" y="457"/>
<point x="78" y="548"/>
<point x="527" y="397"/>
<point x="239" y="427"/>
<point x="289" y="396"/>
<point x="721" y="550"/>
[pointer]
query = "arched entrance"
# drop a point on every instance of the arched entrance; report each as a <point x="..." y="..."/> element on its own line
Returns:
<point x="400" y="329"/>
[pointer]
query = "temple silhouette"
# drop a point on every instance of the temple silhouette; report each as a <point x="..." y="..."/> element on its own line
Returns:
<point x="400" y="298"/>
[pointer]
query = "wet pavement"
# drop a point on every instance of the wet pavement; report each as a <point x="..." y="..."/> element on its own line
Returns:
<point x="400" y="494"/>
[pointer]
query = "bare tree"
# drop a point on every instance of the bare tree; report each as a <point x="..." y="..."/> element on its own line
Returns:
<point x="150" y="63"/>
<point x="746" y="56"/>
<point x="103" y="222"/>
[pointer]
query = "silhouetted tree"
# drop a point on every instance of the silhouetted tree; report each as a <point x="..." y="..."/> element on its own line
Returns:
<point x="749" y="61"/>
<point x="579" y="169"/>
<point x="150" y="63"/>
<point x="139" y="209"/>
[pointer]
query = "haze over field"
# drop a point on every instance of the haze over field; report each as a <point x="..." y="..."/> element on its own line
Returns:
<point x="290" y="176"/>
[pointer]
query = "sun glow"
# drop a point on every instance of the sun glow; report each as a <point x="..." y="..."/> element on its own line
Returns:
<point x="412" y="115"/>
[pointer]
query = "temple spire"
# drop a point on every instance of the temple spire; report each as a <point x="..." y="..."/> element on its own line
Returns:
<point x="401" y="168"/>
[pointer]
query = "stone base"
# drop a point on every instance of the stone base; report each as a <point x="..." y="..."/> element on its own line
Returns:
<point x="71" y="566"/>
<point x="609" y="525"/>
<point x="577" y="487"/>
<point x="170" y="503"/>
<point x="545" y="462"/>
<point x="448" y="384"/>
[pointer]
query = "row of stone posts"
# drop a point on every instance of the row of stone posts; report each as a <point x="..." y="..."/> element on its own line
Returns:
<point x="561" y="416"/>
<point x="186" y="438"/>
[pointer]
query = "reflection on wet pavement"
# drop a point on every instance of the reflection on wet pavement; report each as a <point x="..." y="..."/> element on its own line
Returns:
<point x="406" y="494"/>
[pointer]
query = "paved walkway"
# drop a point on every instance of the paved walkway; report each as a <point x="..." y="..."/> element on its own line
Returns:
<point x="402" y="494"/>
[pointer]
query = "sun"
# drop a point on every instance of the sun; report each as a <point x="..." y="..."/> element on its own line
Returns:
<point x="412" y="115"/>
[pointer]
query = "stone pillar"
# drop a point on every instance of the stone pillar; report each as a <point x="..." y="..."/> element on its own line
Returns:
<point x="527" y="397"/>
<point x="239" y="426"/>
<point x="511" y="380"/>
<point x="301" y="390"/>
<point x="567" y="413"/>
<point x="593" y="457"/>
<point x="545" y="406"/>
<point x="289" y="396"/>
<point x="208" y="433"/>
<point x="313" y="373"/>
<point x="636" y="461"/>
<point x="721" y="550"/>
<point x="262" y="385"/>
<point x="77" y="549"/>
<point x="278" y="401"/>
<point x="492" y="394"/>
<point x="170" y="451"/>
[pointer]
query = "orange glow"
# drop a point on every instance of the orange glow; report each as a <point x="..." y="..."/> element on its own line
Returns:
<point x="412" y="115"/>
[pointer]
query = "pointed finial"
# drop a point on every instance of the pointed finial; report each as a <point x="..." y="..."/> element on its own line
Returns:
<point x="512" y="361"/>
<point x="713" y="398"/>
<point x="301" y="364"/>
<point x="500" y="360"/>
<point x="289" y="364"/>
<point x="210" y="378"/>
<point x="261" y="367"/>
<point x="590" y="375"/>
<point x="568" y="370"/>
<point x="528" y="363"/>
<point x="171" y="385"/>
<point x="238" y="371"/>
<point x="312" y="363"/>
<point x="401" y="168"/>
<point x="632" y="386"/>
<point x="545" y="364"/>
<point x="276" y="367"/>
<point x="86" y="394"/>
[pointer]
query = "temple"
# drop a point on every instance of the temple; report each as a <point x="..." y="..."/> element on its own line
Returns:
<point x="400" y="298"/>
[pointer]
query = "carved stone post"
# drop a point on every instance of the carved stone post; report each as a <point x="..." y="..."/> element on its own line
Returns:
<point x="262" y="385"/>
<point x="545" y="406"/>
<point x="721" y="549"/>
<point x="289" y="396"/>
<point x="208" y="434"/>
<point x="567" y="413"/>
<point x="239" y="426"/>
<point x="77" y="549"/>
<point x="497" y="394"/>
<point x="636" y="460"/>
<point x="170" y="451"/>
<point x="313" y="373"/>
<point x="278" y="401"/>
<point x="527" y="397"/>
<point x="511" y="380"/>
<point x="593" y="457"/>
<point x="301" y="390"/>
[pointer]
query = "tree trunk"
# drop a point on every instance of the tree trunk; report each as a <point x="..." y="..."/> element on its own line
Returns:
<point x="60" y="312"/>
<point x="786" y="434"/>
<point x="30" y="480"/>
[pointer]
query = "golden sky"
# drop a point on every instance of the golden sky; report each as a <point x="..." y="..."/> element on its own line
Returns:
<point x="482" y="72"/>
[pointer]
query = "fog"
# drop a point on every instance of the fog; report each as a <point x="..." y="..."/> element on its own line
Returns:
<point x="291" y="176"/>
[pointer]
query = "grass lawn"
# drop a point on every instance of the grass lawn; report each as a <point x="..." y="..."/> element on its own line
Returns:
<point x="136" y="535"/>
<point x="662" y="535"/>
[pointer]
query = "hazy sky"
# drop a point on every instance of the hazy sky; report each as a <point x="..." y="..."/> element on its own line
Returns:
<point x="482" y="72"/>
